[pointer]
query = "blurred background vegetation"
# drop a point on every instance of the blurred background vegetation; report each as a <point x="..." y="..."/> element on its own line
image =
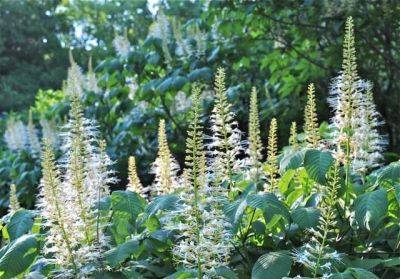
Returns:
<point x="279" y="46"/>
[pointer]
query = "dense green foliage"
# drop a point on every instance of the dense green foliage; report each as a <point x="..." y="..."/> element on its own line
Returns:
<point x="31" y="56"/>
<point x="199" y="200"/>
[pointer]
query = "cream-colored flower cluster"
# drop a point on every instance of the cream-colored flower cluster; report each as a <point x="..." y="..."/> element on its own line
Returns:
<point x="225" y="144"/>
<point x="165" y="167"/>
<point x="19" y="136"/>
<point x="72" y="188"/>
<point x="204" y="241"/>
<point x="355" y="122"/>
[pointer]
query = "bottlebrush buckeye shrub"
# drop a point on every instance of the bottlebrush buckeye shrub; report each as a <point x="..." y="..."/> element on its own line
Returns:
<point x="322" y="207"/>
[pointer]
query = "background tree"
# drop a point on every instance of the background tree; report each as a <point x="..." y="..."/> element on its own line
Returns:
<point x="31" y="55"/>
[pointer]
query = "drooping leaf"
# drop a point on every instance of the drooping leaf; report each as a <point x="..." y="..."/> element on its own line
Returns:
<point x="370" y="208"/>
<point x="119" y="254"/>
<point x="317" y="164"/>
<point x="127" y="201"/>
<point x="20" y="223"/>
<point x="291" y="160"/>
<point x="306" y="217"/>
<point x="354" y="273"/>
<point x="389" y="173"/>
<point x="166" y="202"/>
<point x="18" y="256"/>
<point x="269" y="204"/>
<point x="273" y="265"/>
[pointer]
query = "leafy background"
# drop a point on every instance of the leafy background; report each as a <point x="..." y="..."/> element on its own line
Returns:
<point x="277" y="46"/>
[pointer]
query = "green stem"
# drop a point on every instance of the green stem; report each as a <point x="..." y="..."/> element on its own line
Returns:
<point x="320" y="250"/>
<point x="347" y="172"/>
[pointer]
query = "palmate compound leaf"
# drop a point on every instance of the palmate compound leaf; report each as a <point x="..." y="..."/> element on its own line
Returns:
<point x="273" y="265"/>
<point x="17" y="256"/>
<point x="371" y="208"/>
<point x="317" y="164"/>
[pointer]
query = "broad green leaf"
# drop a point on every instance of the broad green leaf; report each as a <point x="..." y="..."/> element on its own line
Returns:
<point x="167" y="202"/>
<point x="370" y="208"/>
<point x="306" y="217"/>
<point x="127" y="201"/>
<point x="269" y="204"/>
<point x="389" y="173"/>
<point x="285" y="180"/>
<point x="18" y="256"/>
<point x="20" y="223"/>
<point x="119" y="254"/>
<point x="204" y="73"/>
<point x="273" y="265"/>
<point x="183" y="274"/>
<point x="291" y="160"/>
<point x="354" y="273"/>
<point x="235" y="209"/>
<point x="172" y="83"/>
<point x="317" y="164"/>
<point x="225" y="272"/>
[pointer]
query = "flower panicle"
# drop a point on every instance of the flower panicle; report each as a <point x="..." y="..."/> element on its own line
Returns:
<point x="225" y="144"/>
<point x="13" y="200"/>
<point x="75" y="79"/>
<point x="255" y="147"/>
<point x="272" y="156"/>
<point x="60" y="242"/>
<point x="165" y="166"/>
<point x="194" y="141"/>
<point x="91" y="80"/>
<point x="134" y="182"/>
<point x="50" y="131"/>
<point x="293" y="141"/>
<point x="16" y="134"/>
<point x="33" y="139"/>
<point x="311" y="119"/>
<point x="121" y="45"/>
<point x="317" y="255"/>
<point x="355" y="122"/>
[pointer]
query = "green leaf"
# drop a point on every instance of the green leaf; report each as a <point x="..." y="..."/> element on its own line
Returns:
<point x="317" y="164"/>
<point x="285" y="180"/>
<point x="273" y="265"/>
<point x="306" y="217"/>
<point x="20" y="223"/>
<point x="389" y="173"/>
<point x="269" y="204"/>
<point x="127" y="201"/>
<point x="225" y="272"/>
<point x="167" y="202"/>
<point x="354" y="273"/>
<point x="291" y="160"/>
<point x="370" y="208"/>
<point x="172" y="83"/>
<point x="204" y="73"/>
<point x="120" y="253"/>
<point x="18" y="256"/>
<point x="183" y="274"/>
